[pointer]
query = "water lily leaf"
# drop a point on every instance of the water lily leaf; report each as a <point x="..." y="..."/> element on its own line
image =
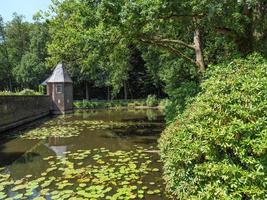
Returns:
<point x="82" y="185"/>
<point x="48" y="158"/>
<point x="18" y="182"/>
<point x="2" y="195"/>
<point x="157" y="191"/>
<point x="150" y="192"/>
<point x="84" y="194"/>
<point x="18" y="196"/>
<point x="29" y="193"/>
<point x="39" y="198"/>
<point x="18" y="187"/>
<point x="46" y="183"/>
<point x="132" y="166"/>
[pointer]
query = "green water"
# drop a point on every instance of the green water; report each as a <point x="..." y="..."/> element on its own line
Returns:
<point x="101" y="154"/>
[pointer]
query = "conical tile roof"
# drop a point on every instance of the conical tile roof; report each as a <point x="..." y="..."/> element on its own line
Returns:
<point x="60" y="75"/>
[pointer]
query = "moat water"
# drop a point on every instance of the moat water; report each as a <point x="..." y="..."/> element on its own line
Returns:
<point x="90" y="154"/>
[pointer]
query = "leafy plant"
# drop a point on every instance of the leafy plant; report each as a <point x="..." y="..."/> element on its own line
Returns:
<point x="109" y="104"/>
<point x="28" y="92"/>
<point x="180" y="97"/>
<point x="25" y="92"/>
<point x="217" y="148"/>
<point x="151" y="100"/>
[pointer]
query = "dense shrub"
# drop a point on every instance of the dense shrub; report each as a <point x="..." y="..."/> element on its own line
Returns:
<point x="108" y="104"/>
<point x="28" y="92"/>
<point x="217" y="149"/>
<point x="22" y="92"/>
<point x="78" y="104"/>
<point x="163" y="103"/>
<point x="180" y="97"/>
<point x="151" y="100"/>
<point x="5" y="93"/>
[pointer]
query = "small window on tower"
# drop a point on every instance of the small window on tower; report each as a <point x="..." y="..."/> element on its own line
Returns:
<point x="59" y="88"/>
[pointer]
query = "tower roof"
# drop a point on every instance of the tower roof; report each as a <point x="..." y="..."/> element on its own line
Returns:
<point x="59" y="75"/>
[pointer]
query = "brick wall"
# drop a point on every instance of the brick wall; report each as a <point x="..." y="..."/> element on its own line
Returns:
<point x="17" y="110"/>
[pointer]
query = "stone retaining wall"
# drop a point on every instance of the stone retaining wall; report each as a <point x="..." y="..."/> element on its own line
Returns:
<point x="18" y="110"/>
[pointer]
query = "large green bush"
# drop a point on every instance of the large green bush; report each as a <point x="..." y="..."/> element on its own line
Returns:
<point x="217" y="149"/>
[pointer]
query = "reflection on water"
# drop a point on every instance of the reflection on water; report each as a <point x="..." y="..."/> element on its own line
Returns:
<point x="116" y="138"/>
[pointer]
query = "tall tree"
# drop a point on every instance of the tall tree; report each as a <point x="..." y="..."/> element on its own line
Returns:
<point x="5" y="67"/>
<point x="96" y="34"/>
<point x="30" y="69"/>
<point x="30" y="72"/>
<point x="17" y="38"/>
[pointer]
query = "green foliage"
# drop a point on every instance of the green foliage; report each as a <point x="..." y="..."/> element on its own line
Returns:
<point x="164" y="103"/>
<point x="17" y="38"/>
<point x="26" y="92"/>
<point x="217" y="148"/>
<point x="151" y="100"/>
<point x="22" y="53"/>
<point x="179" y="98"/>
<point x="30" y="71"/>
<point x="109" y="104"/>
<point x="5" y="68"/>
<point x="6" y="92"/>
<point x="41" y="89"/>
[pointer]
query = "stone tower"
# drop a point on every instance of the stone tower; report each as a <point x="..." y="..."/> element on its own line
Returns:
<point x="60" y="89"/>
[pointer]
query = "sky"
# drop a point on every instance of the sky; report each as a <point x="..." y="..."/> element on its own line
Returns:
<point x="26" y="8"/>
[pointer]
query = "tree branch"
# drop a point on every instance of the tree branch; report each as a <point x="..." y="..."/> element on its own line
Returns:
<point x="179" y="53"/>
<point x="173" y="16"/>
<point x="162" y="40"/>
<point x="170" y="48"/>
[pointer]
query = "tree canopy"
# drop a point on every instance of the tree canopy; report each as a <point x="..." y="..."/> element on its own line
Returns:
<point x="176" y="41"/>
<point x="195" y="53"/>
<point x="96" y="35"/>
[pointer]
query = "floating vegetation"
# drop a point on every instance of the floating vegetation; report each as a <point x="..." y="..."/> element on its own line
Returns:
<point x="64" y="128"/>
<point x="53" y="131"/>
<point x="89" y="174"/>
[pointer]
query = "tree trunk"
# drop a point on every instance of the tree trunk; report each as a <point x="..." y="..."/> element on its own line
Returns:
<point x="108" y="97"/>
<point x="86" y="90"/>
<point x="131" y="93"/>
<point x="10" y="84"/>
<point x="198" y="51"/>
<point x="125" y="90"/>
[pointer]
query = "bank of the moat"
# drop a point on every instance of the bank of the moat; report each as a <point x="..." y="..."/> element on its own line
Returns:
<point x="91" y="154"/>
